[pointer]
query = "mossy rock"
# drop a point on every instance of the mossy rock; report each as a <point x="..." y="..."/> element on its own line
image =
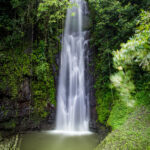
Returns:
<point x="11" y="143"/>
<point x="134" y="134"/>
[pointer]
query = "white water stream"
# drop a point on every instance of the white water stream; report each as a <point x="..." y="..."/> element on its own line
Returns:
<point x="72" y="96"/>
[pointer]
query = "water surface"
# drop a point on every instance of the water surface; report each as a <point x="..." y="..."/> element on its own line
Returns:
<point x="56" y="141"/>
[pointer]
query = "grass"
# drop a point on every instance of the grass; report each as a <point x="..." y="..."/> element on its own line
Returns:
<point x="134" y="134"/>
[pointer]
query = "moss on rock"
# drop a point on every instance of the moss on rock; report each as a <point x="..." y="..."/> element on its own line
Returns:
<point x="134" y="134"/>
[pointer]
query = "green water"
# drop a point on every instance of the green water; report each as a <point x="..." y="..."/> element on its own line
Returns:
<point x="49" y="141"/>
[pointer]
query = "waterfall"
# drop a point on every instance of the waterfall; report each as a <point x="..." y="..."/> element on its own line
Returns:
<point x="72" y="93"/>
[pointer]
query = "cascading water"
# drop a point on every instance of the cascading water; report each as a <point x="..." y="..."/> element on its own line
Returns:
<point x="72" y="96"/>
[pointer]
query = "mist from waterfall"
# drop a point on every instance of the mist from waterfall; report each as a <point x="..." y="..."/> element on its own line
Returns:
<point x="73" y="93"/>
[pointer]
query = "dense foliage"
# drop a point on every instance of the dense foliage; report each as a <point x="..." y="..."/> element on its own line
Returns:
<point x="30" y="34"/>
<point x="114" y="22"/>
<point x="120" y="39"/>
<point x="132" y="80"/>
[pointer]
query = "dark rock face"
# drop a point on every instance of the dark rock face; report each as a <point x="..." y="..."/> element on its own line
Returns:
<point x="93" y="115"/>
<point x="19" y="118"/>
<point x="7" y="110"/>
<point x="17" y="115"/>
<point x="89" y="69"/>
<point x="25" y="92"/>
<point x="52" y="117"/>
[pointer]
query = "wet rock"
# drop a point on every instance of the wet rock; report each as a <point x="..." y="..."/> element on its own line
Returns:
<point x="86" y="23"/>
<point x="25" y="92"/>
